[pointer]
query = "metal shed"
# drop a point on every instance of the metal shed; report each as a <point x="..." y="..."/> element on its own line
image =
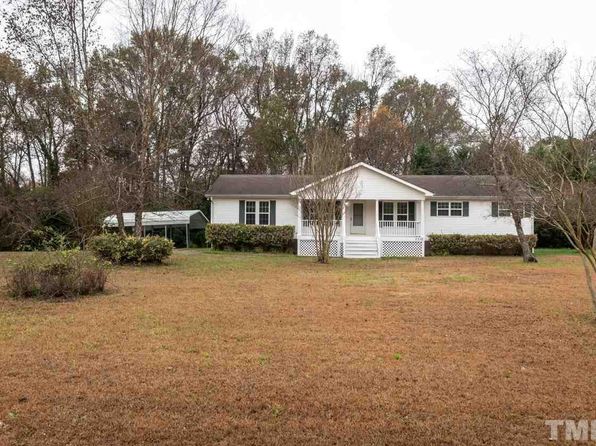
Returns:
<point x="166" y="221"/>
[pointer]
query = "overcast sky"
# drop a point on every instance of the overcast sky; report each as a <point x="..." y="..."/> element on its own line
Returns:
<point x="426" y="36"/>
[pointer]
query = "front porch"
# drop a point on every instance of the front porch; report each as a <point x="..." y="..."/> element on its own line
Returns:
<point x="369" y="229"/>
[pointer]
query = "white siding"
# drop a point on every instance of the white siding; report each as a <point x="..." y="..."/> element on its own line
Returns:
<point x="287" y="212"/>
<point x="480" y="221"/>
<point x="226" y="210"/>
<point x="374" y="186"/>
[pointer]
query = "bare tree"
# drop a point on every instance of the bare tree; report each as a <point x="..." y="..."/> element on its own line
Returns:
<point x="379" y="72"/>
<point x="330" y="184"/>
<point x="166" y="39"/>
<point x="498" y="88"/>
<point x="561" y="172"/>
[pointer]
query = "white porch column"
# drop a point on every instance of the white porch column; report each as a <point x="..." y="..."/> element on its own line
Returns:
<point x="377" y="230"/>
<point x="344" y="205"/>
<point x="422" y="230"/>
<point x="299" y="226"/>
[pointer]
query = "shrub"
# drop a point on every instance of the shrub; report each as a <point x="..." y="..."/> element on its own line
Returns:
<point x="130" y="249"/>
<point x="57" y="274"/>
<point x="487" y="245"/>
<point x="44" y="239"/>
<point x="250" y="237"/>
<point x="550" y="237"/>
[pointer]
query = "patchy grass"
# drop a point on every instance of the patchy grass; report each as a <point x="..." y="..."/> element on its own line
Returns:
<point x="543" y="252"/>
<point x="239" y="348"/>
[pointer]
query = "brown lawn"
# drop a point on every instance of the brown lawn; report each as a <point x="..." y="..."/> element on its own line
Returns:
<point x="274" y="349"/>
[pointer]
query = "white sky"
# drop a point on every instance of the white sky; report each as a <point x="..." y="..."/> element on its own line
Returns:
<point x="426" y="36"/>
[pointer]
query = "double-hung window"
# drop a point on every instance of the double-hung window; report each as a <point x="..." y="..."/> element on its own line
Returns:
<point x="257" y="212"/>
<point x="250" y="215"/>
<point x="443" y="208"/>
<point x="456" y="208"/>
<point x="450" y="208"/>
<point x="401" y="213"/>
<point x="388" y="211"/>
<point x="263" y="212"/>
<point x="395" y="211"/>
<point x="504" y="210"/>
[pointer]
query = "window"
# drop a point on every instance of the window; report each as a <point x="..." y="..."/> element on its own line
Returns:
<point x="456" y="209"/>
<point x="395" y="211"/>
<point x="250" y="213"/>
<point x="450" y="208"/>
<point x="443" y="208"/>
<point x="402" y="211"/>
<point x="263" y="212"/>
<point x="504" y="211"/>
<point x="387" y="211"/>
<point x="257" y="213"/>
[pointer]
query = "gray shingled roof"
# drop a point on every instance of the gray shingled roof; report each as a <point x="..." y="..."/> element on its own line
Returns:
<point x="455" y="185"/>
<point x="262" y="185"/>
<point x="278" y="185"/>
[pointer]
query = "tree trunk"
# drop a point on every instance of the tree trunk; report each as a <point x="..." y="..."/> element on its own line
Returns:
<point x="139" y="222"/>
<point x="120" y="218"/>
<point x="527" y="254"/>
<point x="30" y="164"/>
<point x="590" y="280"/>
<point x="2" y="163"/>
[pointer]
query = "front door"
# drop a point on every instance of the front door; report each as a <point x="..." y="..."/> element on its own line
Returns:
<point x="357" y="220"/>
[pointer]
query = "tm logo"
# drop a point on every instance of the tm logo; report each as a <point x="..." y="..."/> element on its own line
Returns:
<point x="582" y="430"/>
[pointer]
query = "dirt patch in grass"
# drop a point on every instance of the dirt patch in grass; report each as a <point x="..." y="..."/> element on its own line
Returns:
<point x="274" y="349"/>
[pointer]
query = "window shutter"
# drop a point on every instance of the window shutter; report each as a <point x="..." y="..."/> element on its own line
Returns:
<point x="380" y="210"/>
<point x="241" y="213"/>
<point x="495" y="209"/>
<point x="411" y="211"/>
<point x="272" y="212"/>
<point x="433" y="208"/>
<point x="466" y="208"/>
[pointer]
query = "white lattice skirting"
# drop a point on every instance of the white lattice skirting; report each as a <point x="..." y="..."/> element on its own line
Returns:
<point x="398" y="248"/>
<point x="307" y="248"/>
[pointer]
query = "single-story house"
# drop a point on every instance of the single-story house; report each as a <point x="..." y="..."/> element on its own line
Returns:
<point x="386" y="215"/>
<point x="178" y="226"/>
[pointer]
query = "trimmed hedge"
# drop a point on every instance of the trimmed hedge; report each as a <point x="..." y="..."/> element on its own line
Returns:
<point x="130" y="249"/>
<point x="482" y="245"/>
<point x="257" y="238"/>
<point x="57" y="274"/>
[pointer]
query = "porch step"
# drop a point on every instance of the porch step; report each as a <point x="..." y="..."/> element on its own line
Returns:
<point x="361" y="249"/>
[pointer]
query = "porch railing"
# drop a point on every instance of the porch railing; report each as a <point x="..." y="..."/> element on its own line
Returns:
<point x="308" y="227"/>
<point x="399" y="228"/>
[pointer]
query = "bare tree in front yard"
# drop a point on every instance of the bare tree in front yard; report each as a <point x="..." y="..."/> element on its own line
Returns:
<point x="498" y="88"/>
<point x="561" y="170"/>
<point x="327" y="156"/>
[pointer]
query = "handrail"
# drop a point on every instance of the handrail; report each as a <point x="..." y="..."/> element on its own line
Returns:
<point x="399" y="228"/>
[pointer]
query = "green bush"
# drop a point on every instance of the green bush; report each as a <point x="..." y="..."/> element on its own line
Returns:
<point x="130" y="249"/>
<point x="550" y="237"/>
<point x="483" y="245"/>
<point x="250" y="237"/>
<point x="44" y="239"/>
<point x="57" y="274"/>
